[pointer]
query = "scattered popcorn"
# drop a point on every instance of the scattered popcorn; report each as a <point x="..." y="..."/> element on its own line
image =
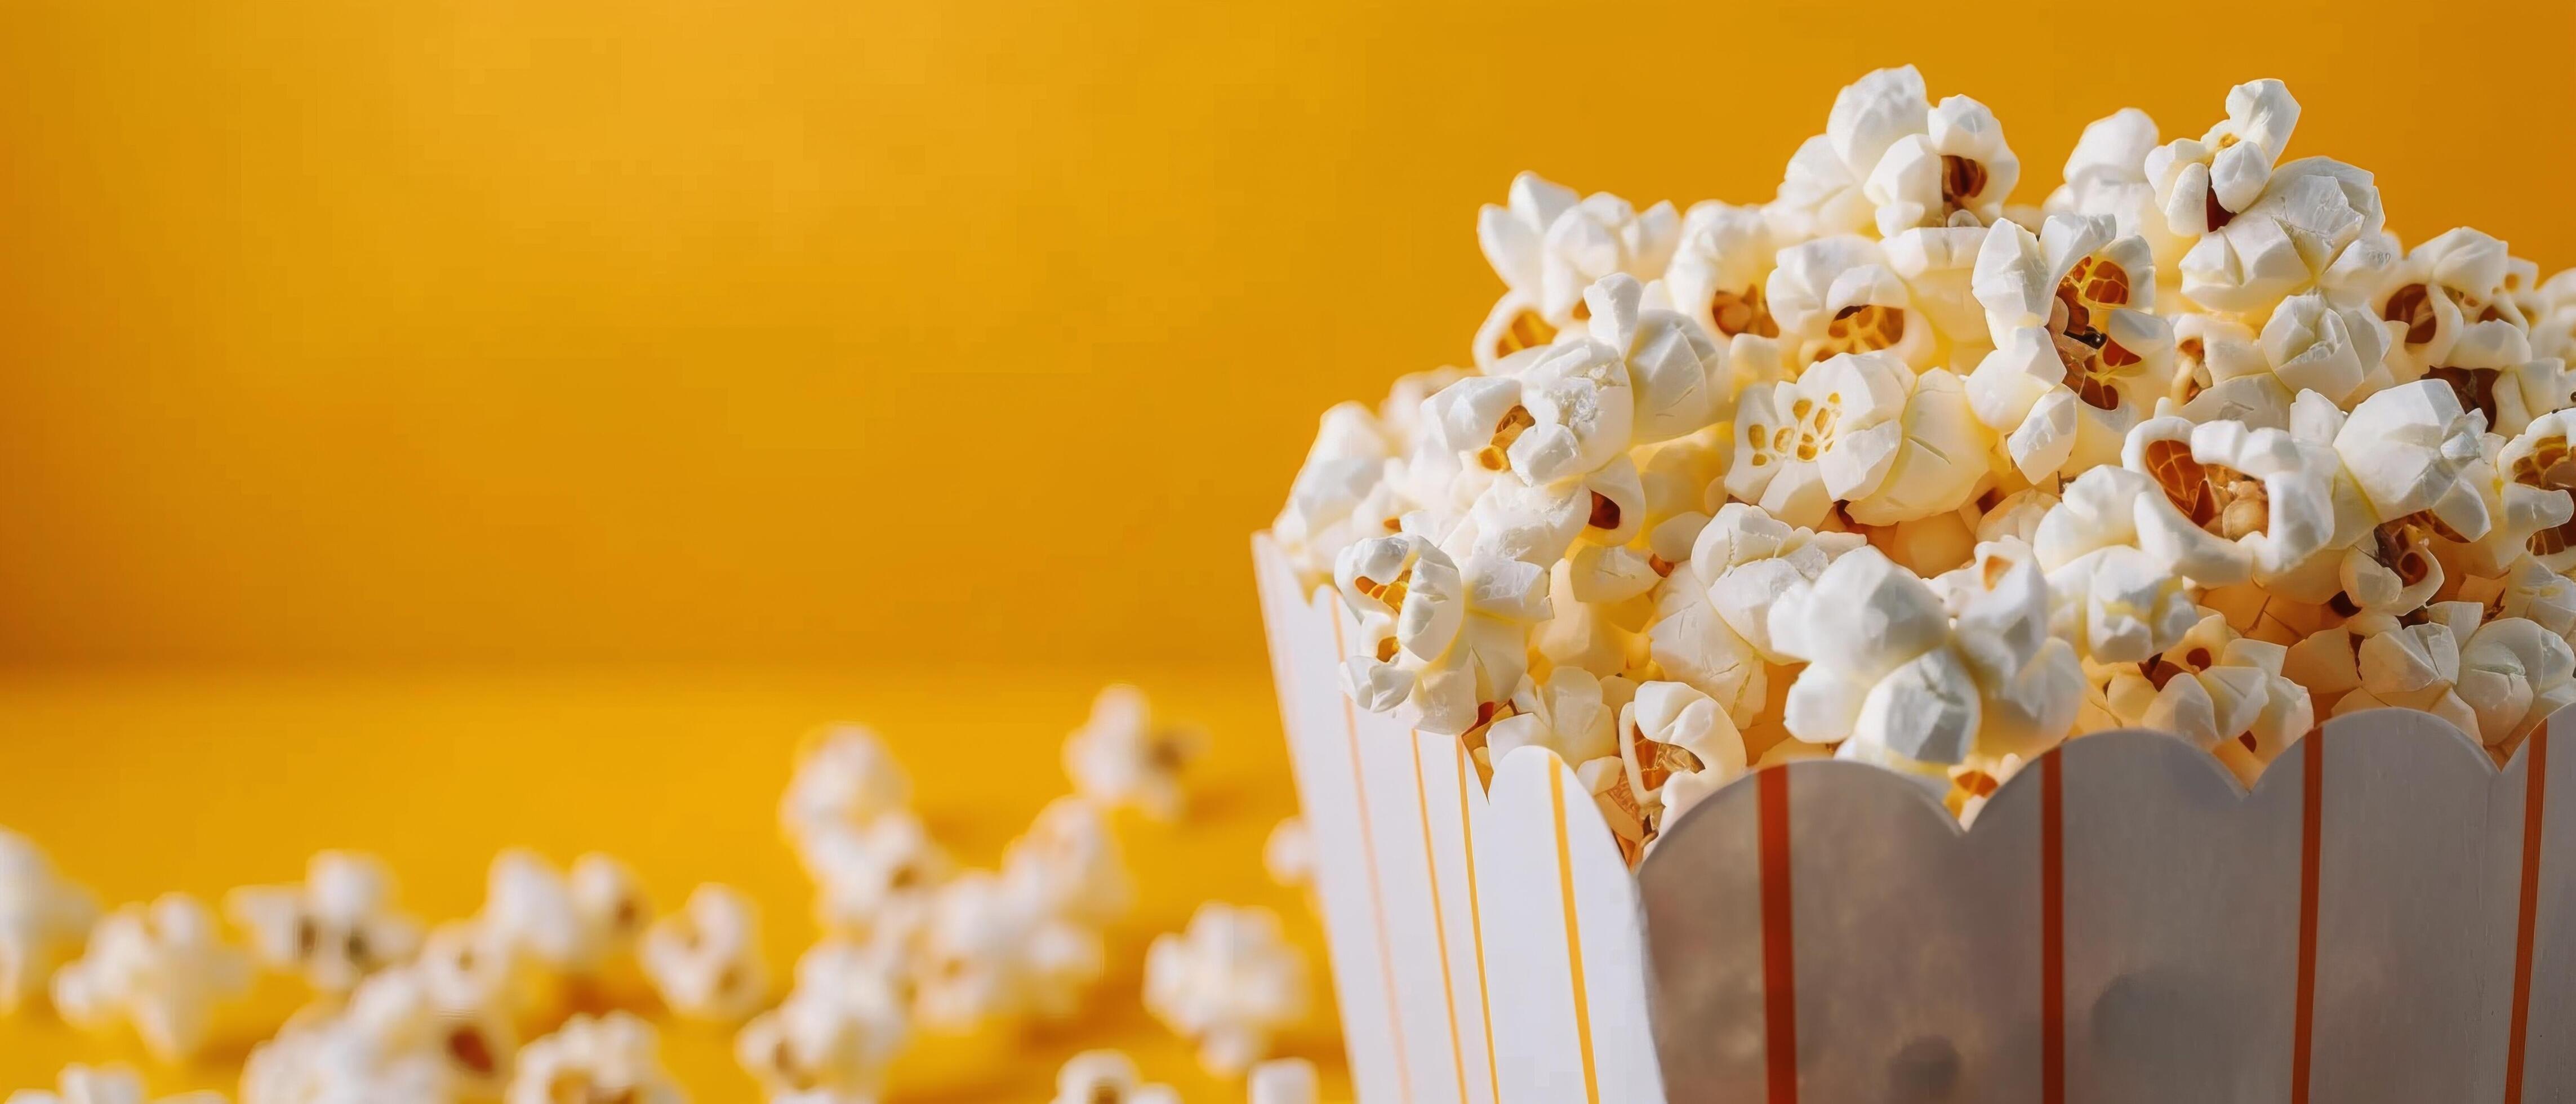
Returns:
<point x="1228" y="984"/>
<point x="984" y="955"/>
<point x="831" y="1040"/>
<point x="1068" y="865"/>
<point x="1282" y="1081"/>
<point x="335" y="929"/>
<point x="1107" y="1077"/>
<point x="844" y="778"/>
<point x="612" y="1057"/>
<point x="79" y="1084"/>
<point x="704" y="960"/>
<point x="1289" y="854"/>
<point x="875" y="879"/>
<point x="43" y="919"/>
<point x="160" y="967"/>
<point x="1122" y="758"/>
<point x="571" y="925"/>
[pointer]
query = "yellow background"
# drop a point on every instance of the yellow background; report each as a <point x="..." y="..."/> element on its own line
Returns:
<point x="427" y="426"/>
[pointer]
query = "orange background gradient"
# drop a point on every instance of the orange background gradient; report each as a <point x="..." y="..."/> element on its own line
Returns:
<point x="435" y="425"/>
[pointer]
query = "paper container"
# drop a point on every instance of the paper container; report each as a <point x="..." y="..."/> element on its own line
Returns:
<point x="2386" y="917"/>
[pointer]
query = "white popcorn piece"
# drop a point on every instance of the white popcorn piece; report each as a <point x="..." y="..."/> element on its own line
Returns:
<point x="1667" y="359"/>
<point x="2446" y="289"/>
<point x="1282" y="1081"/>
<point x="1107" y="1077"/>
<point x="704" y="960"/>
<point x="1068" y="864"/>
<point x="2079" y="352"/>
<point x="1842" y="295"/>
<point x="1831" y="436"/>
<point x="846" y="778"/>
<point x="333" y="930"/>
<point x="2407" y="450"/>
<point x="79" y="1084"/>
<point x="1956" y="172"/>
<point x="326" y="1064"/>
<point x="162" y="968"/>
<point x="1122" y="758"/>
<point x="1453" y="643"/>
<point x="2106" y="175"/>
<point x="985" y="956"/>
<point x="2215" y="686"/>
<point x="831" y="1040"/>
<point x="611" y="1057"/>
<point x="1711" y="625"/>
<point x="1288" y="855"/>
<point x="1823" y="192"/>
<point x="409" y="1027"/>
<point x="43" y="918"/>
<point x="2235" y="502"/>
<point x="1564" y="714"/>
<point x="572" y="924"/>
<point x="1229" y="984"/>
<point x="2513" y="675"/>
<point x="2114" y="601"/>
<point x="1677" y="747"/>
<point x="1548" y="246"/>
<point x="2541" y="463"/>
<point x="1718" y="271"/>
<point x="2312" y="213"/>
<point x="2204" y="184"/>
<point x="1939" y="460"/>
<point x="877" y="879"/>
<point x="1857" y="624"/>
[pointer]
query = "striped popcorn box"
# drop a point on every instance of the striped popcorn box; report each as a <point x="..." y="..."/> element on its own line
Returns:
<point x="2385" y="917"/>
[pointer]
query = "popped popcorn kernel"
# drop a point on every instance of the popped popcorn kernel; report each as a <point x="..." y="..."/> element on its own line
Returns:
<point x="1228" y="983"/>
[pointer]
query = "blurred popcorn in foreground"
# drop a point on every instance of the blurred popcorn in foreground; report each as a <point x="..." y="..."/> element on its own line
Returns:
<point x="830" y="1041"/>
<point x="571" y="925"/>
<point x="43" y="919"/>
<point x="1229" y="984"/>
<point x="844" y="778"/>
<point x="1282" y="1081"/>
<point x="613" y="1057"/>
<point x="79" y="1084"/>
<point x="1289" y="854"/>
<point x="1068" y="865"/>
<point x="1121" y="758"/>
<point x="161" y="967"/>
<point x="335" y="929"/>
<point x="877" y="879"/>
<point x="984" y="955"/>
<point x="395" y="1040"/>
<point x="704" y="960"/>
<point x="1107" y="1077"/>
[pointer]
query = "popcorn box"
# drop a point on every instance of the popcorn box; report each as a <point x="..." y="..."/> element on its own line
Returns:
<point x="2385" y="917"/>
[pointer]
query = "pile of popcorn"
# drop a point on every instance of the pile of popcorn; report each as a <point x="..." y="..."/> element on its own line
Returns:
<point x="1894" y="470"/>
<point x="405" y="1013"/>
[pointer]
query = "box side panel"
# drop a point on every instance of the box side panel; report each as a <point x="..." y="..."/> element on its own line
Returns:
<point x="1455" y="799"/>
<point x="2414" y="931"/>
<point x="2180" y="918"/>
<point x="2549" y="1036"/>
<point x="1312" y="707"/>
<point x="1700" y="892"/>
<point x="1396" y="822"/>
<point x="1538" y="1003"/>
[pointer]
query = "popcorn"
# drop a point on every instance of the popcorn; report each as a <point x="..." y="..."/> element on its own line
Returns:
<point x="1282" y="1081"/>
<point x="2079" y="353"/>
<point x="1840" y="295"/>
<point x="1548" y="246"/>
<point x="572" y="925"/>
<point x="81" y="1084"/>
<point x="831" y="1040"/>
<point x="403" y="1034"/>
<point x="336" y="928"/>
<point x="43" y="918"/>
<point x="1956" y="172"/>
<point x="2172" y="449"/>
<point x="1107" y="1077"/>
<point x="880" y="878"/>
<point x="844" y="778"/>
<point x="611" y="1057"/>
<point x="984" y="955"/>
<point x="1068" y="865"/>
<point x="704" y="960"/>
<point x="161" y="967"/>
<point x="1677" y="747"/>
<point x="1288" y="855"/>
<point x="1228" y="984"/>
<point x="2234" y="503"/>
<point x="1121" y="758"/>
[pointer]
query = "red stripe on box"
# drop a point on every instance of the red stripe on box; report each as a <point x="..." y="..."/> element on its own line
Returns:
<point x="1779" y="955"/>
<point x="2052" y="931"/>
<point x="2535" y="785"/>
<point x="2312" y="804"/>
